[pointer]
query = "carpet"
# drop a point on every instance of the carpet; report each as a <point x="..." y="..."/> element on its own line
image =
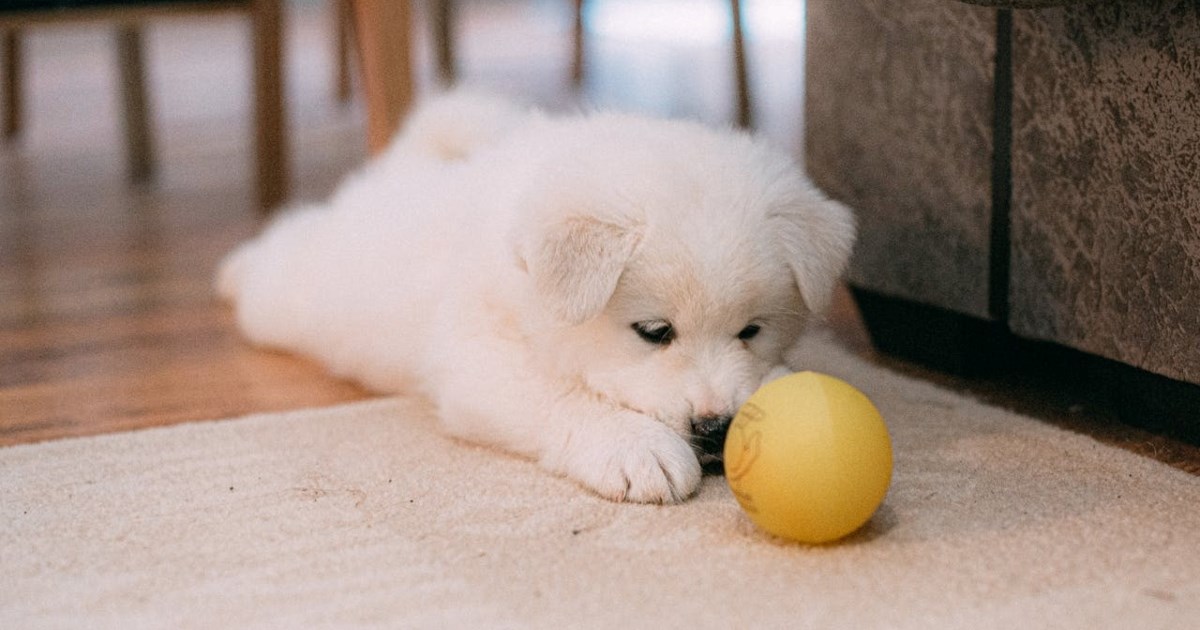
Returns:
<point x="363" y="516"/>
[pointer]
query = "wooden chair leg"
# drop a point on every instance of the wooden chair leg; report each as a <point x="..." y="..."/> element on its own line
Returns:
<point x="270" y="139"/>
<point x="343" y="29"/>
<point x="13" y="83"/>
<point x="745" y="113"/>
<point x="443" y="37"/>
<point x="139" y="142"/>
<point x="577" y="33"/>
<point x="384" y="36"/>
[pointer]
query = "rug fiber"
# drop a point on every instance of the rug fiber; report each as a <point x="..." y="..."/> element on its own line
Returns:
<point x="363" y="515"/>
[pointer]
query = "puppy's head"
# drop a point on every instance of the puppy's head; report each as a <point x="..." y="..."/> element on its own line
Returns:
<point x="676" y="266"/>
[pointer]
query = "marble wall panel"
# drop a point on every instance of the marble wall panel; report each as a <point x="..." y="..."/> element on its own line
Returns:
<point x="1023" y="4"/>
<point x="899" y="127"/>
<point x="1106" y="181"/>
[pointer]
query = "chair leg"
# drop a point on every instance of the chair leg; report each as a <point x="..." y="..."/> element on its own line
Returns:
<point x="13" y="99"/>
<point x="343" y="36"/>
<point x="443" y="37"/>
<point x="745" y="113"/>
<point x="270" y="139"/>
<point x="577" y="33"/>
<point x="384" y="29"/>
<point x="139" y="142"/>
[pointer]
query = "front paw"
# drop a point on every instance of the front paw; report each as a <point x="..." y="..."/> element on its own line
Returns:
<point x="632" y="458"/>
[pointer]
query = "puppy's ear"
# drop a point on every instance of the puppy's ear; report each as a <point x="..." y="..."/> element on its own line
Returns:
<point x="576" y="263"/>
<point x="817" y="236"/>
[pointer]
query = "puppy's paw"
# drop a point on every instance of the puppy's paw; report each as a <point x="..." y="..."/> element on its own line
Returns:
<point x="633" y="458"/>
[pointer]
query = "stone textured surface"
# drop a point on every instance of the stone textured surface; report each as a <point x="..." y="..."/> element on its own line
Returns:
<point x="1106" y="172"/>
<point x="1022" y="4"/>
<point x="898" y="126"/>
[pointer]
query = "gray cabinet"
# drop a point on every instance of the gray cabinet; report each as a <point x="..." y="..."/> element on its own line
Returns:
<point x="899" y="127"/>
<point x="1019" y="175"/>
<point x="1106" y="182"/>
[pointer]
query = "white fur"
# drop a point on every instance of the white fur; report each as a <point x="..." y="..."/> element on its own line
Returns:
<point x="494" y="260"/>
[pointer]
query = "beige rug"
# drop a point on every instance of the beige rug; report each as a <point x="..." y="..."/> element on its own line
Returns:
<point x="363" y="516"/>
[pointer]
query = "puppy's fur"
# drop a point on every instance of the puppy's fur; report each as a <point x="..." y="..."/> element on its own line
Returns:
<point x="577" y="290"/>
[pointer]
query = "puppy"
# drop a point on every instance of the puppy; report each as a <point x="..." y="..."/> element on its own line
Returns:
<point x="597" y="293"/>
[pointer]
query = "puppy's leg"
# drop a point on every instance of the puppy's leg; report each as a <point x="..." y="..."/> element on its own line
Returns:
<point x="620" y="454"/>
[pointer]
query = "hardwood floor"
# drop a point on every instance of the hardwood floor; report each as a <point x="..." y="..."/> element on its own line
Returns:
<point x="107" y="320"/>
<point x="107" y="317"/>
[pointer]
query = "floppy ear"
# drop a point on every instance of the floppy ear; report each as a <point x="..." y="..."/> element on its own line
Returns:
<point x="576" y="263"/>
<point x="817" y="236"/>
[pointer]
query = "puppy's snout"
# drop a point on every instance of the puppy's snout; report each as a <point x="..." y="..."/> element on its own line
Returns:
<point x="708" y="436"/>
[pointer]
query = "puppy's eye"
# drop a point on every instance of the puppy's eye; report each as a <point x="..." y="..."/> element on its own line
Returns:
<point x="657" y="332"/>
<point x="749" y="332"/>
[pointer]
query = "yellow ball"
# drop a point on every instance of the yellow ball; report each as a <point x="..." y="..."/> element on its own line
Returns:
<point x="808" y="458"/>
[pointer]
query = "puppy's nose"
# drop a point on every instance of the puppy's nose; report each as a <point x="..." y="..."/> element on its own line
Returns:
<point x="708" y="435"/>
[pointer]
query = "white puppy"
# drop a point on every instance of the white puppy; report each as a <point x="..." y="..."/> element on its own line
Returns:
<point x="597" y="293"/>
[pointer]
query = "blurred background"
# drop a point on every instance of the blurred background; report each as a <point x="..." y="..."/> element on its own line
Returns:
<point x="107" y="316"/>
<point x="667" y="57"/>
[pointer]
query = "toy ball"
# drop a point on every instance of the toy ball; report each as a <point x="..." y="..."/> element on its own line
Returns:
<point x="808" y="458"/>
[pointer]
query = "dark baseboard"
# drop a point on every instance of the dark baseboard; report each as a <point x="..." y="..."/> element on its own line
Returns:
<point x="932" y="337"/>
<point x="1157" y="403"/>
<point x="973" y="348"/>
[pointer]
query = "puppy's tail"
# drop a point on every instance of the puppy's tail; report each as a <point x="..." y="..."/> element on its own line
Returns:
<point x="230" y="272"/>
<point x="454" y="125"/>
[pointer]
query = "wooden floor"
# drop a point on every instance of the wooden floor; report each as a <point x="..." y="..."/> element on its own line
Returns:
<point x="107" y="317"/>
